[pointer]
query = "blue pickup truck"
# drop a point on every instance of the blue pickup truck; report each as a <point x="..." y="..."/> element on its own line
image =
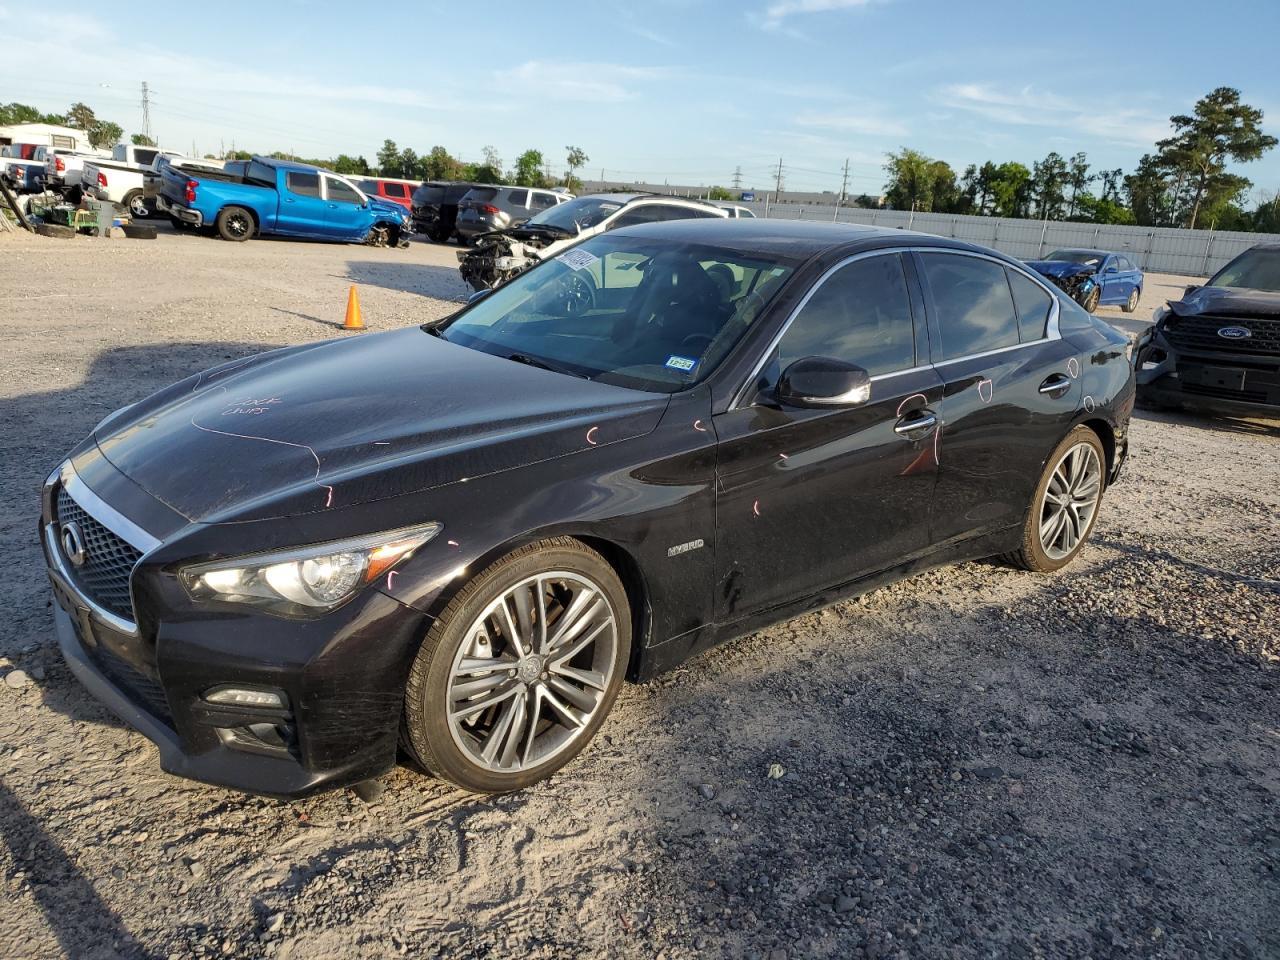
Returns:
<point x="268" y="196"/>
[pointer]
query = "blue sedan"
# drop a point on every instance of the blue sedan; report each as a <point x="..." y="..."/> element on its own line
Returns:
<point x="1094" y="277"/>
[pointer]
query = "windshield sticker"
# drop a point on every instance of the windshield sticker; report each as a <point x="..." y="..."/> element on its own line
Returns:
<point x="577" y="259"/>
<point x="680" y="363"/>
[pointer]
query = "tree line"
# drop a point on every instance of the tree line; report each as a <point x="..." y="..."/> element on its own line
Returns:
<point x="1184" y="182"/>
<point x="103" y="134"/>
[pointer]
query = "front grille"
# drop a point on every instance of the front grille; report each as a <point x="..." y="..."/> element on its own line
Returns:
<point x="1225" y="393"/>
<point x="109" y="559"/>
<point x="1201" y="334"/>
<point x="137" y="686"/>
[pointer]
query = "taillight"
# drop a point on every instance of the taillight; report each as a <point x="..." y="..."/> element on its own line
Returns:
<point x="102" y="179"/>
<point x="59" y="165"/>
<point x="191" y="190"/>
<point x="489" y="209"/>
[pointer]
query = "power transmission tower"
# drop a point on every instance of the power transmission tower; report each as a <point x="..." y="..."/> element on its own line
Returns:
<point x="737" y="178"/>
<point x="146" y="111"/>
<point x="777" y="191"/>
<point x="844" y="184"/>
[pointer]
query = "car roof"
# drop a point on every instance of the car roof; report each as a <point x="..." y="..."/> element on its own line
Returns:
<point x="625" y="198"/>
<point x="793" y="239"/>
<point x="1098" y="253"/>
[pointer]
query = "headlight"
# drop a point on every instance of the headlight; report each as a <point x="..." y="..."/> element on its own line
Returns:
<point x="314" y="578"/>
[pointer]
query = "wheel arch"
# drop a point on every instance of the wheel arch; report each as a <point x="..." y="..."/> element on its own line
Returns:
<point x="253" y="214"/>
<point x="1108" y="437"/>
<point x="618" y="557"/>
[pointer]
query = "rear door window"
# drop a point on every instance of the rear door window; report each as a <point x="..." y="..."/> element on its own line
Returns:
<point x="861" y="314"/>
<point x="303" y="184"/>
<point x="518" y="198"/>
<point x="1032" y="303"/>
<point x="973" y="303"/>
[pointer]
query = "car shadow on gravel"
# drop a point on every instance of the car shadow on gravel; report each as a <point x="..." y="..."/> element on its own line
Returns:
<point x="80" y="920"/>
<point x="441" y="283"/>
<point x="1053" y="779"/>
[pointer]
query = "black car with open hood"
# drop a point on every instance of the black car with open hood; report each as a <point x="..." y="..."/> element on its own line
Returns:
<point x="1218" y="347"/>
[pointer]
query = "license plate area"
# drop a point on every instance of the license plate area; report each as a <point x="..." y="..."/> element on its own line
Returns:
<point x="1223" y="378"/>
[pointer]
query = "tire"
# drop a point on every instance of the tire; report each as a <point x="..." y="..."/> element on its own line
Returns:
<point x="1131" y="304"/>
<point x="235" y="224"/>
<point x="139" y="231"/>
<point x="180" y="224"/>
<point x="135" y="204"/>
<point x="451" y="744"/>
<point x="55" y="230"/>
<point x="1090" y="302"/>
<point x="1033" y="554"/>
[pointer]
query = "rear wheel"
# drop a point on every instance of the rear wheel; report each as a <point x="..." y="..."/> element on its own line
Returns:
<point x="136" y="204"/>
<point x="1131" y="304"/>
<point x="1065" y="504"/>
<point x="235" y="223"/>
<point x="519" y="672"/>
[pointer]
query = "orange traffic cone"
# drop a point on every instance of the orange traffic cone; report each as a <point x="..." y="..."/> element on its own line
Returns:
<point x="354" y="321"/>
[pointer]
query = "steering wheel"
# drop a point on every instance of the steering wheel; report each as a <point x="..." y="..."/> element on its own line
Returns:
<point x="695" y="344"/>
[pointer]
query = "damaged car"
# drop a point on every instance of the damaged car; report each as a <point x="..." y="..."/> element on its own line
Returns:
<point x="1093" y="277"/>
<point x="1218" y="348"/>
<point x="499" y="256"/>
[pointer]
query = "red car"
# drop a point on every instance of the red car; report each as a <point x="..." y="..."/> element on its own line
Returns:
<point x="397" y="191"/>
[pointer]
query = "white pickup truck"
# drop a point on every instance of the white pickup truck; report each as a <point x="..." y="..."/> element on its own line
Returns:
<point x="122" y="179"/>
<point x="63" y="169"/>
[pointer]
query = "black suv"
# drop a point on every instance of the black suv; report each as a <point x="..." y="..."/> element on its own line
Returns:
<point x="1218" y="348"/>
<point x="435" y="207"/>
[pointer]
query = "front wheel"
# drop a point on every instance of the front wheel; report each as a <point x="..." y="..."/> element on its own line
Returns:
<point x="1091" y="299"/>
<point x="235" y="223"/>
<point x="1065" y="504"/>
<point x="520" y="670"/>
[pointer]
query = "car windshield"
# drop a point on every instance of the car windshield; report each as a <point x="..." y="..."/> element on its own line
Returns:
<point x="1256" y="269"/>
<point x="635" y="312"/>
<point x="576" y="215"/>
<point x="1088" y="258"/>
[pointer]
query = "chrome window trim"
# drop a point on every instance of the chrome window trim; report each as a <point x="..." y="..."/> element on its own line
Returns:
<point x="114" y="521"/>
<point x="1052" y="331"/>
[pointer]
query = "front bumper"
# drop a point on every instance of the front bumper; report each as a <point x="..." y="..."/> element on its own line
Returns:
<point x="1224" y="383"/>
<point x="185" y="214"/>
<point x="341" y="677"/>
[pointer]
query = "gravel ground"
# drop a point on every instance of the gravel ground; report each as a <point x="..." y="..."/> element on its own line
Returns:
<point x="975" y="763"/>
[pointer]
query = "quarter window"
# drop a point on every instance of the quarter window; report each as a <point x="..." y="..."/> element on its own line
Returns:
<point x="861" y="314"/>
<point x="303" y="184"/>
<point x="518" y="198"/>
<point x="1032" y="303"/>
<point x="973" y="303"/>
<point x="543" y="201"/>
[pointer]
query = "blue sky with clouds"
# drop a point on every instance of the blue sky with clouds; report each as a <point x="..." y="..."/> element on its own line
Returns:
<point x="679" y="90"/>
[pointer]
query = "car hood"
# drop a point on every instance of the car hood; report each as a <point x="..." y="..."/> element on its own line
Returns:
<point x="387" y="207"/>
<point x="343" y="422"/>
<point x="1227" y="302"/>
<point x="1059" y="268"/>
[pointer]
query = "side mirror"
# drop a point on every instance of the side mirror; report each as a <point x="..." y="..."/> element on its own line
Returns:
<point x="823" y="382"/>
<point x="1191" y="288"/>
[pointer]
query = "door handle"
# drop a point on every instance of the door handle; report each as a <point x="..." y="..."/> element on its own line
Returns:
<point x="907" y="426"/>
<point x="288" y="199"/>
<point x="1055" y="385"/>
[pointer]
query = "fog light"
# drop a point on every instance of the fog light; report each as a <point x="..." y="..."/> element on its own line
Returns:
<point x="239" y="697"/>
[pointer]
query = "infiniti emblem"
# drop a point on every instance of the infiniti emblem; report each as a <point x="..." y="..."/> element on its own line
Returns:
<point x="72" y="542"/>
<point x="1235" y="333"/>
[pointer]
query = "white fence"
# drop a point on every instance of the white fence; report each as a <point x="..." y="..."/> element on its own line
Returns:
<point x="1193" y="253"/>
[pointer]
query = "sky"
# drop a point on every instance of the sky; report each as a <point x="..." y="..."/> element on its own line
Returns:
<point x="680" y="91"/>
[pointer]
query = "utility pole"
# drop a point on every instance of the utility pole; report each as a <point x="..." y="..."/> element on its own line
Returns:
<point x="737" y="178"/>
<point x="146" y="111"/>
<point x="777" y="191"/>
<point x="844" y="190"/>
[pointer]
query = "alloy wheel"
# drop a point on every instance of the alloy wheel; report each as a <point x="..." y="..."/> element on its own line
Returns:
<point x="531" y="671"/>
<point x="138" y="207"/>
<point x="1070" y="501"/>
